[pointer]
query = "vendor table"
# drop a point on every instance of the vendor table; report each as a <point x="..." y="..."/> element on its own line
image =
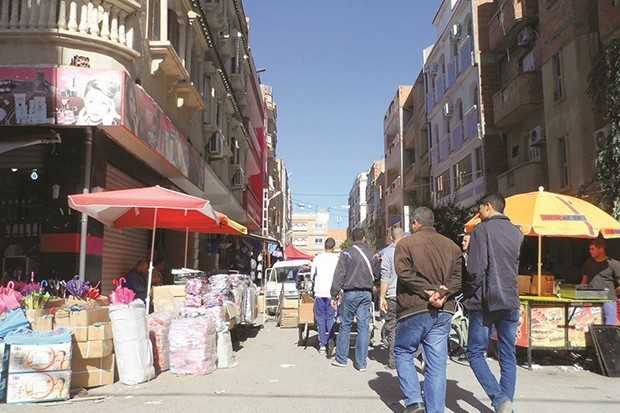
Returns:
<point x="552" y="323"/>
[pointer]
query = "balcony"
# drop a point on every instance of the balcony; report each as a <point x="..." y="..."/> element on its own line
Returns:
<point x="392" y="157"/>
<point x="511" y="16"/>
<point x="109" y="25"/>
<point x="522" y="96"/>
<point x="410" y="134"/>
<point x="410" y="177"/>
<point x="526" y="177"/>
<point x="458" y="138"/>
<point x="216" y="11"/>
<point x="472" y="121"/>
<point x="394" y="192"/>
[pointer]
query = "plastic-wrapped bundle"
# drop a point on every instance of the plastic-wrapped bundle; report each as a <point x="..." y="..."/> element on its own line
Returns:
<point x="220" y="283"/>
<point x="196" y="286"/>
<point x="193" y="301"/>
<point x="225" y="355"/>
<point x="159" y="328"/>
<point x="249" y="311"/>
<point x="134" y="352"/>
<point x="193" y="346"/>
<point x="219" y="317"/>
<point x="194" y="312"/>
<point x="212" y="299"/>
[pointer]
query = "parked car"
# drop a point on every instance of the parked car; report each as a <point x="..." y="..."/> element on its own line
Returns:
<point x="282" y="279"/>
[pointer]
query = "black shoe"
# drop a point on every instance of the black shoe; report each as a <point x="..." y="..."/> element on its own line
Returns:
<point x="415" y="408"/>
<point x="331" y="345"/>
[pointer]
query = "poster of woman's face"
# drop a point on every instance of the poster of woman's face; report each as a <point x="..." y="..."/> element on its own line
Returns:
<point x="100" y="93"/>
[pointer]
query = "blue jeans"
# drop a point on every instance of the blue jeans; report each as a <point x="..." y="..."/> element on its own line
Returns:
<point x="506" y="324"/>
<point x="325" y="317"/>
<point x="354" y="304"/>
<point x="431" y="330"/>
<point x="610" y="313"/>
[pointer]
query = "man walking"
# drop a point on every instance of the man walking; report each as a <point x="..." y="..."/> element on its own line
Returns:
<point x="492" y="298"/>
<point x="429" y="275"/>
<point x="355" y="278"/>
<point x="388" y="292"/>
<point x="323" y="268"/>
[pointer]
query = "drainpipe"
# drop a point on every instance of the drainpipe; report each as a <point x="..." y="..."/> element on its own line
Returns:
<point x="88" y="161"/>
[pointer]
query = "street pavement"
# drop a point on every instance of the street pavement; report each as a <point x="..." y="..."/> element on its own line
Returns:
<point x="275" y="375"/>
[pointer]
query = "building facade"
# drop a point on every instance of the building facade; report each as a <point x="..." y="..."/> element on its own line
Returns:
<point x="396" y="209"/>
<point x="277" y="199"/>
<point x="113" y="94"/>
<point x="375" y="201"/>
<point x="310" y="230"/>
<point x="358" y="208"/>
<point x="458" y="105"/>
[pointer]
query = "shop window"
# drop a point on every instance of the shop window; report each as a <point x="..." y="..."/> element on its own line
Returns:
<point x="558" y="87"/>
<point x="563" y="162"/>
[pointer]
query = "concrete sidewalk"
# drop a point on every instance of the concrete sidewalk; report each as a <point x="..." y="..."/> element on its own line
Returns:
<point x="274" y="375"/>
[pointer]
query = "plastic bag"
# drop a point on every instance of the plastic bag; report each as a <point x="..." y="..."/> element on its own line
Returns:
<point x="193" y="346"/>
<point x="159" y="328"/>
<point x="225" y="355"/>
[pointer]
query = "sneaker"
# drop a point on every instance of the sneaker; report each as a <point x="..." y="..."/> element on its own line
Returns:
<point x="322" y="351"/>
<point x="505" y="407"/>
<point x="338" y="364"/>
<point x="363" y="369"/>
<point x="415" y="408"/>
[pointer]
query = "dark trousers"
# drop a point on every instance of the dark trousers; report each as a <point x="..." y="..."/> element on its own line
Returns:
<point x="390" y="330"/>
<point x="325" y="317"/>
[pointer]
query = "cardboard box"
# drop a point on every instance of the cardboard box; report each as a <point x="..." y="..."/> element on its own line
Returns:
<point x="93" y="349"/>
<point x="39" y="358"/>
<point x="306" y="310"/>
<point x="169" y="298"/>
<point x="525" y="282"/>
<point x="547" y="285"/>
<point x="100" y="331"/>
<point x="174" y="305"/>
<point x="290" y="303"/>
<point x="90" y="316"/>
<point x="38" y="387"/>
<point x="93" y="372"/>
<point x="40" y="320"/>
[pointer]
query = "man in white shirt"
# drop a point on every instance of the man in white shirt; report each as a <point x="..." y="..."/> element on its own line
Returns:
<point x="323" y="268"/>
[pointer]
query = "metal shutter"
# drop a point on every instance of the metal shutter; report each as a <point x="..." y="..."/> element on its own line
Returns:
<point x="121" y="248"/>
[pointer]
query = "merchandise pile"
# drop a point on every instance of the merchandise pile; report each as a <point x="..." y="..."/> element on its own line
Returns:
<point x="193" y="345"/>
<point x="159" y="329"/>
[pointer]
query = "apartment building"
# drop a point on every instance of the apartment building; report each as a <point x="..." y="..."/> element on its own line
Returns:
<point x="277" y="196"/>
<point x="462" y="142"/>
<point x="396" y="211"/>
<point x="109" y="94"/>
<point x="310" y="230"/>
<point x="358" y="208"/>
<point x="375" y="200"/>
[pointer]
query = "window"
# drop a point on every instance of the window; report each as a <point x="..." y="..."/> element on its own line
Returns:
<point x="563" y="162"/>
<point x="528" y="63"/>
<point x="442" y="184"/>
<point x="173" y="29"/>
<point x="479" y="162"/>
<point x="558" y="90"/>
<point x="515" y="151"/>
<point x="463" y="172"/>
<point x="318" y="241"/>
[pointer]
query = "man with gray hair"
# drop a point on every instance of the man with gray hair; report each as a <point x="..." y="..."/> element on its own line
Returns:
<point x="388" y="292"/>
<point x="429" y="276"/>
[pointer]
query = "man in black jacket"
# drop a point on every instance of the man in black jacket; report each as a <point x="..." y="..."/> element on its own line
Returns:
<point x="354" y="277"/>
<point x="492" y="298"/>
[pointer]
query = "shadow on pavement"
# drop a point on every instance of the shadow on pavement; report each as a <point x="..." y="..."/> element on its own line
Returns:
<point x="455" y="393"/>
<point x="387" y="388"/>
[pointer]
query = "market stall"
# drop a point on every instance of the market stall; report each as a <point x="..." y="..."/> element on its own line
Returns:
<point x="555" y="312"/>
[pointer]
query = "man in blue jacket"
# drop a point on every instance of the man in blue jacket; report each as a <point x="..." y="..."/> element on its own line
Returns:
<point x="492" y="298"/>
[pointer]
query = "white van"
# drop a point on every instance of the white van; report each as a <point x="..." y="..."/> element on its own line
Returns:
<point x="283" y="278"/>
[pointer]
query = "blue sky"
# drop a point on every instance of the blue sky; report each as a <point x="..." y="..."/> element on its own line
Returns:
<point x="334" y="66"/>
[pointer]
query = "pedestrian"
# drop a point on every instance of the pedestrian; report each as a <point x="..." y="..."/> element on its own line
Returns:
<point x="493" y="299"/>
<point x="429" y="275"/>
<point x="355" y="279"/>
<point x="322" y="273"/>
<point x="388" y="292"/>
<point x="465" y="247"/>
<point x="600" y="271"/>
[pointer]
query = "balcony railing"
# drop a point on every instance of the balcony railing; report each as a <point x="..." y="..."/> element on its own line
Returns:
<point x="107" y="23"/>
<point x="458" y="138"/>
<point x="526" y="177"/>
<point x="517" y="100"/>
<point x="471" y="123"/>
<point x="510" y="16"/>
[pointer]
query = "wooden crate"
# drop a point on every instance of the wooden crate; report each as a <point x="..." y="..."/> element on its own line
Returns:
<point x="288" y="318"/>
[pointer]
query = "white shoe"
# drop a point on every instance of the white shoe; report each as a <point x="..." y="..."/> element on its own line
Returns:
<point x="322" y="351"/>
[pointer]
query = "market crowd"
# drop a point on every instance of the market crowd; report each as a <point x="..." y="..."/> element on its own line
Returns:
<point x="422" y="275"/>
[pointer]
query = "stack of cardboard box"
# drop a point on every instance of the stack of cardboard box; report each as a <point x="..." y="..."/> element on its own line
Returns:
<point x="93" y="348"/>
<point x="169" y="298"/>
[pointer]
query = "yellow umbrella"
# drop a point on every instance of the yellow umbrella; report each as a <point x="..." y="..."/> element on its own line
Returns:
<point x="546" y="214"/>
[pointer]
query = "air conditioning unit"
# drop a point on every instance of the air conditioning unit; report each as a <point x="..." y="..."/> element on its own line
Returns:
<point x="215" y="147"/>
<point x="525" y="37"/>
<point x="600" y="137"/>
<point x="535" y="136"/>
<point x="238" y="178"/>
<point x="457" y="30"/>
<point x="447" y="109"/>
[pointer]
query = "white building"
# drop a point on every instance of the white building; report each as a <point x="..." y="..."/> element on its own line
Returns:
<point x="358" y="207"/>
<point x="456" y="121"/>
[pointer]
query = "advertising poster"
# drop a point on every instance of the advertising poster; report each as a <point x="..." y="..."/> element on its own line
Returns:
<point x="87" y="97"/>
<point x="27" y="96"/>
<point x="548" y="327"/>
<point x="522" y="333"/>
<point x="579" y="322"/>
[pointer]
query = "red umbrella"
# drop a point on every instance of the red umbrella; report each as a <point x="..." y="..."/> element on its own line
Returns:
<point x="293" y="253"/>
<point x="150" y="208"/>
